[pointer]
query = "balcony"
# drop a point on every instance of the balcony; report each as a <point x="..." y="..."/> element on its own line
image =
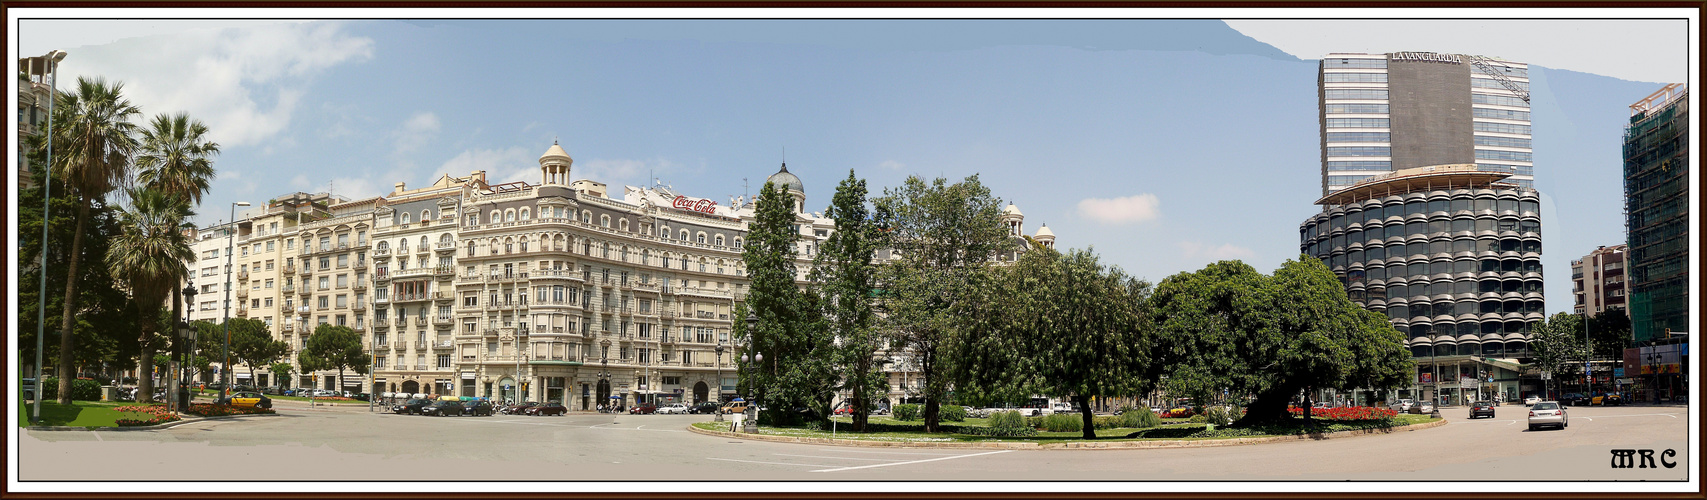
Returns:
<point x="358" y="306"/>
<point x="424" y="249"/>
<point x="290" y="268"/>
<point x="705" y="315"/>
<point x="359" y="328"/>
<point x="243" y="292"/>
<point x="421" y="321"/>
<point x="443" y="344"/>
<point x="403" y="250"/>
<point x="360" y="264"/>
<point x="360" y="244"/>
<point x="445" y="246"/>
<point x="243" y="275"/>
<point x="444" y="321"/>
<point x="304" y="291"/>
<point x="242" y="311"/>
<point x="343" y="247"/>
<point x="381" y="324"/>
<point x="381" y="274"/>
<point x="401" y="345"/>
<point x="306" y="271"/>
<point x="444" y="272"/>
<point x="359" y="285"/>
<point x="382" y="252"/>
<point x="443" y="297"/>
<point x="401" y="322"/>
<point x="469" y="278"/>
<point x="289" y="288"/>
<point x="421" y="368"/>
<point x="646" y="287"/>
<point x="325" y="247"/>
<point x="287" y="327"/>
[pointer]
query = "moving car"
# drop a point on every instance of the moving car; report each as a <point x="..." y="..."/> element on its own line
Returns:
<point x="704" y="408"/>
<point x="411" y="406"/>
<point x="478" y="408"/>
<point x="1607" y="399"/>
<point x="674" y="409"/>
<point x="1482" y="409"/>
<point x="246" y="398"/>
<point x="1422" y="408"/>
<point x="1530" y="401"/>
<point x="443" y="408"/>
<point x="736" y="406"/>
<point x="518" y="408"/>
<point x="552" y="408"/>
<point x="642" y="408"/>
<point x="1548" y="413"/>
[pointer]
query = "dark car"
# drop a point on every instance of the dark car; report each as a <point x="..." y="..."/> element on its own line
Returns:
<point x="361" y="396"/>
<point x="552" y="408"/>
<point x="705" y="408"/>
<point x="1482" y="409"/>
<point x="411" y="406"/>
<point x="642" y="409"/>
<point x="443" y="408"/>
<point x="518" y="408"/>
<point x="1573" y="399"/>
<point x="478" y="408"/>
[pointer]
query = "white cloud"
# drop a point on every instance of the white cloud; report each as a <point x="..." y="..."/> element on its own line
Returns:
<point x="1136" y="208"/>
<point x="244" y="82"/>
<point x="299" y="182"/>
<point x="357" y="188"/>
<point x="1646" y="50"/>
<point x="1227" y="251"/>
<point x="891" y="164"/>
<point x="418" y="130"/>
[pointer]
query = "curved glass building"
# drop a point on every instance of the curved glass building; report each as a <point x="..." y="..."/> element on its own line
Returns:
<point x="1452" y="254"/>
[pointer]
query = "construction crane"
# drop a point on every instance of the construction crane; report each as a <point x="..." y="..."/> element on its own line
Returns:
<point x="1499" y="76"/>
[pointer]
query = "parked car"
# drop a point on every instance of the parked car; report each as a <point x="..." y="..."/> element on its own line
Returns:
<point x="704" y="408"/>
<point x="552" y="408"/>
<point x="1422" y="408"/>
<point x="642" y="409"/>
<point x="29" y="389"/>
<point x="477" y="408"/>
<point x="1548" y="413"/>
<point x="1482" y="409"/>
<point x="1607" y="399"/>
<point x="738" y="405"/>
<point x="518" y="408"/>
<point x="246" y="398"/>
<point x="1402" y="405"/>
<point x="1573" y="399"/>
<point x="674" y="409"/>
<point x="1530" y="401"/>
<point x="242" y="388"/>
<point x="361" y="396"/>
<point x="411" y="406"/>
<point x="443" y="408"/>
<point x="275" y="391"/>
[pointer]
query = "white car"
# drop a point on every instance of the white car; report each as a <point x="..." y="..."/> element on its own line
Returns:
<point x="1530" y="401"/>
<point x="1402" y="405"/>
<point x="1548" y="413"/>
<point x="674" y="409"/>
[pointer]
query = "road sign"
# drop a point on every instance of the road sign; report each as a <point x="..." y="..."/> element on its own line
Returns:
<point x="1546" y="375"/>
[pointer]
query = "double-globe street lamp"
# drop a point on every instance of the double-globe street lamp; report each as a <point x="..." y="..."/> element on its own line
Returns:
<point x="186" y="334"/>
<point x="752" y="359"/>
<point x="47" y="66"/>
<point x="718" y="415"/>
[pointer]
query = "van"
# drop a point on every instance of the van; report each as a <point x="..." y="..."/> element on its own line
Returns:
<point x="736" y="406"/>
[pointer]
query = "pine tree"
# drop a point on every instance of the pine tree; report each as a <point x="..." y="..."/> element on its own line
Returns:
<point x="843" y="277"/>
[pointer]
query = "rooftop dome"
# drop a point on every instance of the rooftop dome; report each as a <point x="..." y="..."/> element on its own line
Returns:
<point x="555" y="152"/>
<point x="783" y="178"/>
<point x="1011" y="210"/>
<point x="1045" y="232"/>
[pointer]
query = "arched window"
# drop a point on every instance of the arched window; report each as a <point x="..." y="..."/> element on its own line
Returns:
<point x="424" y="216"/>
<point x="702" y="265"/>
<point x="496" y="218"/>
<point x="719" y="240"/>
<point x="684" y="262"/>
<point x="424" y="246"/>
<point x="382" y="246"/>
<point x="737" y="243"/>
<point x="470" y="248"/>
<point x="720" y="263"/>
<point x="405" y="218"/>
<point x="444" y="238"/>
<point x="586" y="216"/>
<point x="664" y="231"/>
<point x="685" y="235"/>
<point x="493" y="245"/>
<point x="586" y="247"/>
<point x="604" y="221"/>
<point x="524" y="214"/>
<point x="645" y="257"/>
<point x="509" y="246"/>
<point x="604" y="251"/>
<point x="624" y="225"/>
<point x="510" y="215"/>
<point x="701" y="238"/>
<point x="624" y="254"/>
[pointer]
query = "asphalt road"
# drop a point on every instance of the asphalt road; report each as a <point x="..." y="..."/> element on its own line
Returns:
<point x="348" y="443"/>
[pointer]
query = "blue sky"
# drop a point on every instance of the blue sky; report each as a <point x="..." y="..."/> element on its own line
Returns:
<point x="1162" y="144"/>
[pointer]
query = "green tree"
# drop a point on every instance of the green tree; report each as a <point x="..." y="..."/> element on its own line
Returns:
<point x="796" y="369"/>
<point x="149" y="255"/>
<point x="1557" y="344"/>
<point x="1609" y="334"/>
<point x="1055" y="324"/>
<point x="176" y="158"/>
<point x="843" y="278"/>
<point x="943" y="233"/>
<point x="104" y="317"/>
<point x="281" y="373"/>
<point x="253" y="345"/>
<point x="1229" y="328"/>
<point x="94" y="140"/>
<point x="334" y="347"/>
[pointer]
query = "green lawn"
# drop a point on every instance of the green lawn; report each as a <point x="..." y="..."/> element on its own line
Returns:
<point x="77" y="414"/>
<point x="1170" y="430"/>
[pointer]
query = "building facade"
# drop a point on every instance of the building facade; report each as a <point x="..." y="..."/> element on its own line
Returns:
<point x="1381" y="113"/>
<point x="1656" y="207"/>
<point x="414" y="257"/>
<point x="1452" y="255"/>
<point x="32" y="119"/>
<point x="1598" y="281"/>
<point x="331" y="283"/>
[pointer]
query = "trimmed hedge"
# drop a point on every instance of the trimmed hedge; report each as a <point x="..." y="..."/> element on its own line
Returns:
<point x="82" y="389"/>
<point x="952" y="413"/>
<point x="1139" y="418"/>
<point x="999" y="431"/>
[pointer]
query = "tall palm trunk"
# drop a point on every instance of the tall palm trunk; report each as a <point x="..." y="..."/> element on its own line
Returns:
<point x="145" y="383"/>
<point x="67" y="371"/>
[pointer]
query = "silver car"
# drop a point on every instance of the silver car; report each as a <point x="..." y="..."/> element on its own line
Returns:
<point x="1548" y="413"/>
<point x="1402" y="405"/>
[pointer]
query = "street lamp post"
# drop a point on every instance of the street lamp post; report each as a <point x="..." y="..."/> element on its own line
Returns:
<point x="756" y="358"/>
<point x="186" y="332"/>
<point x="230" y="236"/>
<point x="177" y="399"/>
<point x="719" y="398"/>
<point x="48" y="66"/>
<point x="1588" y="354"/>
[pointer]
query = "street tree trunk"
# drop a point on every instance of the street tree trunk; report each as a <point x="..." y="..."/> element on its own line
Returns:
<point x="67" y="343"/>
<point x="1084" y="402"/>
<point x="860" y="403"/>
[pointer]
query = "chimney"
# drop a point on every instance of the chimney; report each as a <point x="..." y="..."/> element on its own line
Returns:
<point x="399" y="188"/>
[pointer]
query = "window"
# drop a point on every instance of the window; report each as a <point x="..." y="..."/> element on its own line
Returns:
<point x="1501" y="128"/>
<point x="343" y="301"/>
<point x="604" y="220"/>
<point x="1355" y="77"/>
<point x="269" y="283"/>
<point x="444" y="361"/>
<point x="323" y="302"/>
<point x="1355" y="109"/>
<point x="1361" y="151"/>
<point x="325" y="282"/>
<point x="1354" y="94"/>
<point x="270" y="246"/>
<point x="424" y="216"/>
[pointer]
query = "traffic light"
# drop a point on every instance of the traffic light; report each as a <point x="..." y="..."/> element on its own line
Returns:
<point x="524" y="386"/>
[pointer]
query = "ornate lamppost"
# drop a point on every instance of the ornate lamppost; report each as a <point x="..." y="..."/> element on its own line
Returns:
<point x="718" y="415"/>
<point x="755" y="358"/>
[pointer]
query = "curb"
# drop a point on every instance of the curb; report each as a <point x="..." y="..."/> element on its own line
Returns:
<point x="187" y="420"/>
<point x="1113" y="445"/>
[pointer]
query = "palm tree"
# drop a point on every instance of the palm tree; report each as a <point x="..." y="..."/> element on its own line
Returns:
<point x="176" y="159"/>
<point x="149" y="255"/>
<point x="98" y="140"/>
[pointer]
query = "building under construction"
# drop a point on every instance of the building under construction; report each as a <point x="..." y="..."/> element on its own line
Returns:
<point x="1656" y="207"/>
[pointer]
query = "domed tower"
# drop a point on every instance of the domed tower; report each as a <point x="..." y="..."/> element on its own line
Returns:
<point x="554" y="166"/>
<point x="1045" y="236"/>
<point x="1014" y="220"/>
<point x="791" y="183"/>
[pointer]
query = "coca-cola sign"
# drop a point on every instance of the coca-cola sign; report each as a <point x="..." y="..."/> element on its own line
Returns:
<point x="700" y="205"/>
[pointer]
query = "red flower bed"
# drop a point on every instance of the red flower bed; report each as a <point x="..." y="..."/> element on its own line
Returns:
<point x="209" y="410"/>
<point x="1347" y="413"/>
<point x="157" y="414"/>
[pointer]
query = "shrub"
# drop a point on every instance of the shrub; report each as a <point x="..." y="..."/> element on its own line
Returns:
<point x="1198" y="419"/>
<point x="1062" y="422"/>
<point x="999" y="431"/>
<point x="1007" y="420"/>
<point x="1139" y="418"/>
<point x="952" y="413"/>
<point x="1218" y="416"/>
<point x="82" y="389"/>
<point x="906" y="412"/>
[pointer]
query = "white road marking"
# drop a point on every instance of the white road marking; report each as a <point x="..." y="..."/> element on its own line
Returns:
<point x="1588" y="419"/>
<point x="98" y="436"/>
<point x="890" y="452"/>
<point x="835" y="458"/>
<point x="1509" y="422"/>
<point x="914" y="461"/>
<point x="772" y="463"/>
<point x="1672" y="415"/>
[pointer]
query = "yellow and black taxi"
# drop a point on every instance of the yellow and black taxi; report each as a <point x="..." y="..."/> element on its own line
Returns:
<point x="246" y="398"/>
